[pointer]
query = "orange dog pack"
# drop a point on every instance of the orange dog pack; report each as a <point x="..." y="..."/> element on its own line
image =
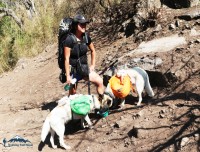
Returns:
<point x="120" y="88"/>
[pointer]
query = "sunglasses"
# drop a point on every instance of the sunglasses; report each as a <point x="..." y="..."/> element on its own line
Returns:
<point x="82" y="24"/>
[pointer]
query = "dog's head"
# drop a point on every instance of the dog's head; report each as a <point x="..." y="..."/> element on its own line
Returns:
<point x="104" y="103"/>
<point x="107" y="101"/>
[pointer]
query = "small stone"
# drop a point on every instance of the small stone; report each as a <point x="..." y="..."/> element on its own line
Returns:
<point x="158" y="28"/>
<point x="184" y="141"/>
<point x="196" y="137"/>
<point x="177" y="23"/>
<point x="119" y="124"/>
<point x="112" y="125"/>
<point x="122" y="117"/>
<point x="199" y="52"/>
<point x="172" y="26"/>
<point x="103" y="126"/>
<point x="140" y="113"/>
<point x="162" y="115"/>
<point x="197" y="41"/>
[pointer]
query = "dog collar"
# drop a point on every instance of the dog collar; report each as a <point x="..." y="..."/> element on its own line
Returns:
<point x="107" y="93"/>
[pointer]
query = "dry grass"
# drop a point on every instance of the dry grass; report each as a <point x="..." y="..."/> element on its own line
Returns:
<point x="38" y="31"/>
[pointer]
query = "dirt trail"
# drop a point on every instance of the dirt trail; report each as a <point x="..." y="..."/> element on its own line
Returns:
<point x="168" y="122"/>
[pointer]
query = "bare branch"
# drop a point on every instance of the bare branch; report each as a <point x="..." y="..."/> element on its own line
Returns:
<point x="29" y="5"/>
<point x="11" y="13"/>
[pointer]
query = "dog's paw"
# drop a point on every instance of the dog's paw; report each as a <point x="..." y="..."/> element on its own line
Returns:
<point x="67" y="147"/>
<point x="88" y="127"/>
<point x="83" y="126"/>
<point x="91" y="126"/>
<point x="54" y="146"/>
<point x="120" y="109"/>
<point x="139" y="105"/>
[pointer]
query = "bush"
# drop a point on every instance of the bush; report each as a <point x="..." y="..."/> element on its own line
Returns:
<point x="39" y="30"/>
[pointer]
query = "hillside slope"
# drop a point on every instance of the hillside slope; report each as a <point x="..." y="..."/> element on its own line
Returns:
<point x="167" y="122"/>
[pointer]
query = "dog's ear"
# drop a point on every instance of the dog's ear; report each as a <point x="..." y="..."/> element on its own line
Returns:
<point x="103" y="101"/>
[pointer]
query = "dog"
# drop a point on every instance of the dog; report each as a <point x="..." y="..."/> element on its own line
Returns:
<point x="139" y="79"/>
<point x="62" y="114"/>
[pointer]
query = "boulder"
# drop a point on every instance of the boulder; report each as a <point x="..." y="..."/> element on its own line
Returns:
<point x="180" y="3"/>
<point x="190" y="15"/>
<point x="154" y="4"/>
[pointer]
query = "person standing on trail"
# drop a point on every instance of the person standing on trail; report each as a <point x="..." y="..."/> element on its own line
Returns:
<point x="74" y="51"/>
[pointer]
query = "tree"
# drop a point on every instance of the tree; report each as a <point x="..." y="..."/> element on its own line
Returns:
<point x="11" y="13"/>
<point x="8" y="11"/>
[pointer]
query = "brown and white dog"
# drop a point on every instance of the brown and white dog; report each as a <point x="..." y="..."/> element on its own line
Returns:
<point x="139" y="79"/>
<point x="62" y="114"/>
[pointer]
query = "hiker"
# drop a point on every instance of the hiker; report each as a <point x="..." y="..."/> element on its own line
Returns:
<point x="74" y="51"/>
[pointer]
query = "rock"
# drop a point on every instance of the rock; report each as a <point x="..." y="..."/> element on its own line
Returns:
<point x="194" y="14"/>
<point x="196" y="137"/>
<point x="158" y="28"/>
<point x="184" y="141"/>
<point x="109" y="58"/>
<point x="154" y="4"/>
<point x="158" y="61"/>
<point x="104" y="125"/>
<point x="195" y="112"/>
<point x="194" y="32"/>
<point x="172" y="106"/>
<point x="146" y="63"/>
<point x="182" y="3"/>
<point x="122" y="117"/>
<point x="162" y="113"/>
<point x="171" y="148"/>
<point x="185" y="59"/>
<point x="119" y="124"/>
<point x="172" y="27"/>
<point x="159" y="104"/>
<point x="164" y="44"/>
<point x="112" y="125"/>
<point x="177" y="23"/>
<point x="197" y="41"/>
<point x="127" y="142"/>
<point x="141" y="113"/>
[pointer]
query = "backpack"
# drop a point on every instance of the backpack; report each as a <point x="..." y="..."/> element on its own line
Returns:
<point x="120" y="89"/>
<point x="81" y="105"/>
<point x="65" y="27"/>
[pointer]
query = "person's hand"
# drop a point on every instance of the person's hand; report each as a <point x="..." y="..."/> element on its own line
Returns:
<point x="92" y="68"/>
<point x="68" y="79"/>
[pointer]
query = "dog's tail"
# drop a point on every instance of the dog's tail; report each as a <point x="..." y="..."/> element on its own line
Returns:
<point x="148" y="87"/>
<point x="45" y="129"/>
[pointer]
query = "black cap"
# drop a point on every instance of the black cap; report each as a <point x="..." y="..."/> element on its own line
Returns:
<point x="80" y="19"/>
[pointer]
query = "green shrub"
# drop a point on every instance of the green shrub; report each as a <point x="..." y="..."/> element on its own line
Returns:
<point x="37" y="32"/>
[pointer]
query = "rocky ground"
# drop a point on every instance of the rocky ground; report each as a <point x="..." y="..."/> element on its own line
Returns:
<point x="168" y="122"/>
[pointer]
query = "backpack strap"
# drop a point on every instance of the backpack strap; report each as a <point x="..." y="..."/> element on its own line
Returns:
<point x="73" y="37"/>
<point x="85" y="38"/>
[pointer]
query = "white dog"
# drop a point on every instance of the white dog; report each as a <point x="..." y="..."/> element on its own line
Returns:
<point x="139" y="79"/>
<point x="62" y="114"/>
